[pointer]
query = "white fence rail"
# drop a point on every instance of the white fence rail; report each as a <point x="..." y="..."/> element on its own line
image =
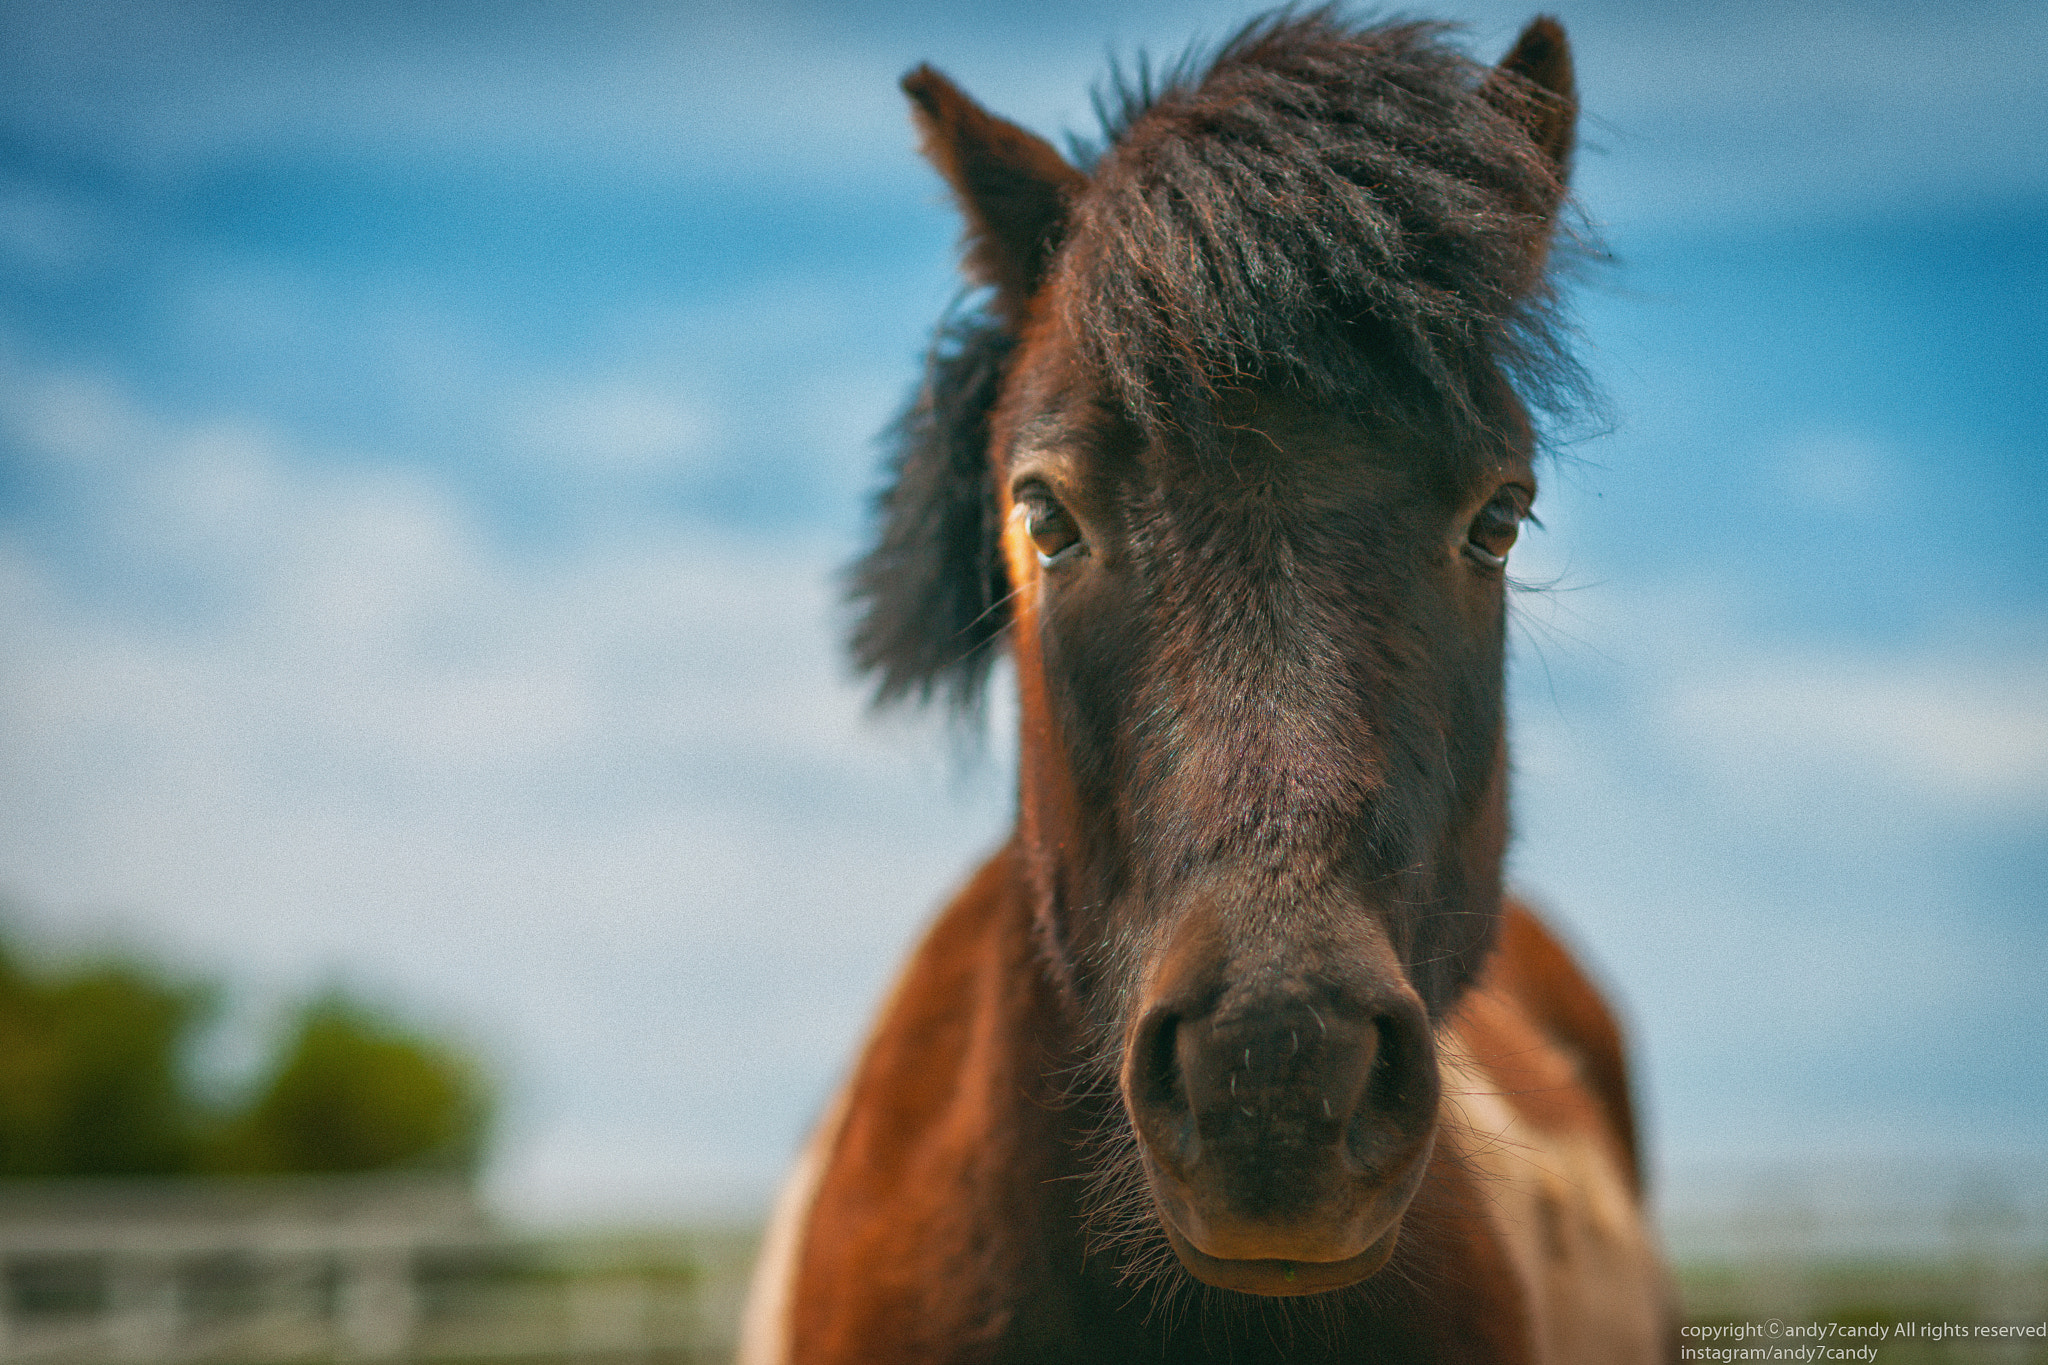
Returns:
<point x="355" y="1269"/>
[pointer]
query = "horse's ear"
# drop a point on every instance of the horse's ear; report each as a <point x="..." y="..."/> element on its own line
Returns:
<point x="1534" y="85"/>
<point x="1013" y="187"/>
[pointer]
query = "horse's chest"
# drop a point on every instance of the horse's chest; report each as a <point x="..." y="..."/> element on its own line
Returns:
<point x="1557" y="1199"/>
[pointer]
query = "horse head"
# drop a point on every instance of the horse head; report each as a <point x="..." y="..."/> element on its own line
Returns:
<point x="1234" y="457"/>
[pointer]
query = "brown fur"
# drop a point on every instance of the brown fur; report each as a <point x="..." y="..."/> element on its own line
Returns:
<point x="1556" y="995"/>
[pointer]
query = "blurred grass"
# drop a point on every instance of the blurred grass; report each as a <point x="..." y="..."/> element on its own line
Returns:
<point x="1865" y="1292"/>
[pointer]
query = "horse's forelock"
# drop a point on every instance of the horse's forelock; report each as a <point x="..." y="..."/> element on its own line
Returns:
<point x="1337" y="208"/>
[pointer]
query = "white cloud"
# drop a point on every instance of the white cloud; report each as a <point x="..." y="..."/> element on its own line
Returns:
<point x="1839" y="472"/>
<point x="1951" y="727"/>
<point x="1968" y="734"/>
<point x="616" y="425"/>
<point x="70" y="418"/>
<point x="620" y="813"/>
<point x="1732" y="111"/>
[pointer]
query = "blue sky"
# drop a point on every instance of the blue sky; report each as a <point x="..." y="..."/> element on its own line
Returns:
<point x="427" y="436"/>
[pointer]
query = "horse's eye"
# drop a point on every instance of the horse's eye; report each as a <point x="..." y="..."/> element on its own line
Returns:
<point x="1049" y="525"/>
<point x="1493" y="531"/>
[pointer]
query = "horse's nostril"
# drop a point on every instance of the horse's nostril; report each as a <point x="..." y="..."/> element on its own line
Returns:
<point x="1159" y="1088"/>
<point x="1399" y="1092"/>
<point x="1163" y="1087"/>
<point x="1369" y="1060"/>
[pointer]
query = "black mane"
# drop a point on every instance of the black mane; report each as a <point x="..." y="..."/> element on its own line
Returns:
<point x="1351" y="210"/>
<point x="930" y="594"/>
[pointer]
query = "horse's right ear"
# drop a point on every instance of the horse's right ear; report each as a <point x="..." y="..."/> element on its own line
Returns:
<point x="1012" y="186"/>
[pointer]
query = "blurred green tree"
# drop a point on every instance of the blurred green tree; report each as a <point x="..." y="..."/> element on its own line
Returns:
<point x="91" y="1071"/>
<point x="351" y="1091"/>
<point x="95" y="1079"/>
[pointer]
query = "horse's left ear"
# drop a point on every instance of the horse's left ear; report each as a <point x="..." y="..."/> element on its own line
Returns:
<point x="1533" y="85"/>
<point x="1013" y="187"/>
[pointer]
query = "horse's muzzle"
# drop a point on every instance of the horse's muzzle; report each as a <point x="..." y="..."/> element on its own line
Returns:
<point x="1284" y="1132"/>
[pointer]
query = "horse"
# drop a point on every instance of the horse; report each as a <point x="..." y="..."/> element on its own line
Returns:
<point x="1236" y="1050"/>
